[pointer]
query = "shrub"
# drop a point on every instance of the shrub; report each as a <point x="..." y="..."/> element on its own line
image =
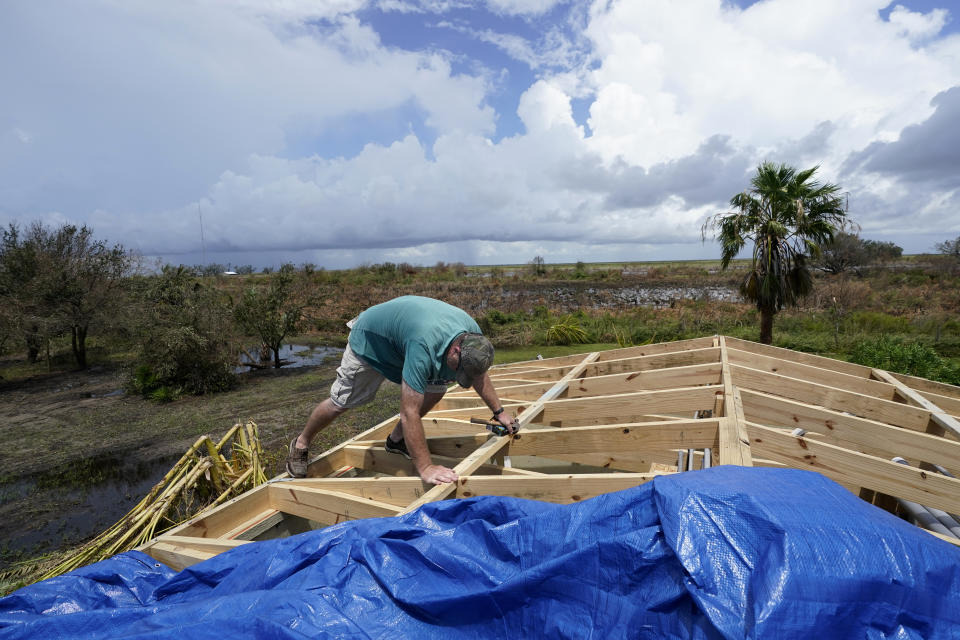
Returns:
<point x="878" y="322"/>
<point x="185" y="337"/>
<point x="914" y="358"/>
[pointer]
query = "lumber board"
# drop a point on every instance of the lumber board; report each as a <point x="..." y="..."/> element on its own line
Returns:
<point x="326" y="507"/>
<point x="654" y="361"/>
<point x="948" y="404"/>
<point x="656" y="349"/>
<point x="926" y="386"/>
<point x="944" y="420"/>
<point x="398" y="492"/>
<point x="558" y="489"/>
<point x="887" y="411"/>
<point x="180" y="552"/>
<point x="632" y="364"/>
<point x="622" y="407"/>
<point x="811" y="373"/>
<point x="669" y="378"/>
<point x="220" y="520"/>
<point x="449" y="426"/>
<point x="627" y="462"/>
<point x="466" y="414"/>
<point x="373" y="458"/>
<point x="455" y="447"/>
<point x="175" y="556"/>
<point x="610" y="439"/>
<point x="857" y="469"/>
<point x="844" y="430"/>
<point x="734" y="443"/>
<point x="796" y="356"/>
<point x="253" y="527"/>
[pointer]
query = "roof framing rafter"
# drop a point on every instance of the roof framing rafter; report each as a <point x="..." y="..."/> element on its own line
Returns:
<point x="605" y="421"/>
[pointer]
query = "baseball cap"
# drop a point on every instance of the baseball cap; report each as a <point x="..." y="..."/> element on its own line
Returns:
<point x="476" y="356"/>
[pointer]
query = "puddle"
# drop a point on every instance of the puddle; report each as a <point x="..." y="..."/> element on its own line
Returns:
<point x="292" y="356"/>
<point x="51" y="511"/>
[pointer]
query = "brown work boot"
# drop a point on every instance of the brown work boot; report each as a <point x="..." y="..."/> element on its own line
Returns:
<point x="297" y="460"/>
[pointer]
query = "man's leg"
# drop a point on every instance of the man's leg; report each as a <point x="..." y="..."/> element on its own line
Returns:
<point x="321" y="416"/>
<point x="356" y="384"/>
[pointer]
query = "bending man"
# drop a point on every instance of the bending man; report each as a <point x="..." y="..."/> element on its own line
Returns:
<point x="421" y="344"/>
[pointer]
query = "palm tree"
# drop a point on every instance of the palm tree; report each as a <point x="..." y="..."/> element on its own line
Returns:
<point x="787" y="215"/>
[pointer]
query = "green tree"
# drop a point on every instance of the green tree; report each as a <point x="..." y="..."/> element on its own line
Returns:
<point x="186" y="337"/>
<point x="787" y="215"/>
<point x="879" y="251"/>
<point x="949" y="248"/>
<point x="273" y="312"/>
<point x="23" y="309"/>
<point x="61" y="280"/>
<point x="538" y="266"/>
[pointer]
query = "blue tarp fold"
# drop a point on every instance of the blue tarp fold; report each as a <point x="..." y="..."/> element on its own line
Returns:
<point x="727" y="552"/>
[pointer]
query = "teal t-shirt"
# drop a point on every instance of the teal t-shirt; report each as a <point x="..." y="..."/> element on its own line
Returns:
<point x="406" y="339"/>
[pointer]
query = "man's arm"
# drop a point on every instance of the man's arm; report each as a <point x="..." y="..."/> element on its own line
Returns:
<point x="484" y="387"/>
<point x="412" y="407"/>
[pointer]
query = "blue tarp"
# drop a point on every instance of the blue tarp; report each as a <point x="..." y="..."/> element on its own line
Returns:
<point x="727" y="552"/>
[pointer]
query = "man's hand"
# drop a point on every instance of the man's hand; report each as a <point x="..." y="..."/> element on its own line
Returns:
<point x="438" y="474"/>
<point x="507" y="420"/>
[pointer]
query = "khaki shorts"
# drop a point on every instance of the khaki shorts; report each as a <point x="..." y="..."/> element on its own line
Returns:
<point x="357" y="382"/>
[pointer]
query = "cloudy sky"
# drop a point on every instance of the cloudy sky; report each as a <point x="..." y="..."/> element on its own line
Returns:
<point x="340" y="132"/>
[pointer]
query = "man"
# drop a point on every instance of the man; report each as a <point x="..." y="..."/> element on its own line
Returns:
<point x="421" y="344"/>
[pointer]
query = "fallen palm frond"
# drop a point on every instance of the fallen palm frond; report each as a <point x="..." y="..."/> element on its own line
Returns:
<point x="208" y="474"/>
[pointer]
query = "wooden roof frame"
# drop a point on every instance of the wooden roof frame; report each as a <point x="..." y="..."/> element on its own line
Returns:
<point x="599" y="422"/>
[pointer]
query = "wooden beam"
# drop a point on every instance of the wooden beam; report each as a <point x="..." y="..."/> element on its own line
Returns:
<point x="326" y="507"/>
<point x="559" y="489"/>
<point x="176" y="557"/>
<point x="886" y="411"/>
<point x="611" y="439"/>
<point x="450" y="427"/>
<point x="734" y="442"/>
<point x="844" y="430"/>
<point x="945" y="421"/>
<point x="624" y="407"/>
<point x="796" y="356"/>
<point x="810" y="373"/>
<point x="390" y="490"/>
<point x="253" y="527"/>
<point x="220" y="520"/>
<point x="656" y="349"/>
<point x="654" y="361"/>
<point x="928" y="386"/>
<point x="685" y="376"/>
<point x="635" y="363"/>
<point x="857" y="469"/>
<point x="373" y="458"/>
<point x="180" y="552"/>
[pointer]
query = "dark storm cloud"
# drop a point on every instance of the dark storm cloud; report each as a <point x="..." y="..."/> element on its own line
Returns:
<point x="928" y="152"/>
<point x="713" y="173"/>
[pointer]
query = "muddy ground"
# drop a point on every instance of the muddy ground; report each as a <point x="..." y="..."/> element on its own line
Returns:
<point x="76" y="452"/>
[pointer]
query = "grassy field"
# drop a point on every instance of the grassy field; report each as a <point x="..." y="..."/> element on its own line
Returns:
<point x="67" y="435"/>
